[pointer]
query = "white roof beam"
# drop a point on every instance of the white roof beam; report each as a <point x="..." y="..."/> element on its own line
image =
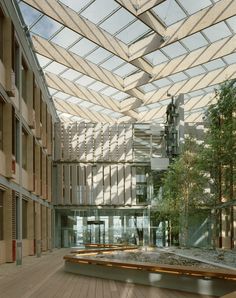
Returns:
<point x="202" y="19"/>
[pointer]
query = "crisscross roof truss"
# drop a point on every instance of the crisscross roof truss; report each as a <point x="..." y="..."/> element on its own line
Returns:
<point x="120" y="60"/>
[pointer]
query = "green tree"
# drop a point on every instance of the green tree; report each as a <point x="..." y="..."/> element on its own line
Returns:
<point x="184" y="188"/>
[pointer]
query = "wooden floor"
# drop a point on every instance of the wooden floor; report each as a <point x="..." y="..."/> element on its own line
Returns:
<point x="44" y="277"/>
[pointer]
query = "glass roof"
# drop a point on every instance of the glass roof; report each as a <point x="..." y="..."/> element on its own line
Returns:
<point x="131" y="69"/>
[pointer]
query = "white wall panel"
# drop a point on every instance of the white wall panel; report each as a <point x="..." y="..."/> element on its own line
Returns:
<point x="67" y="184"/>
<point x="88" y="184"/>
<point x="107" y="185"/>
<point x="121" y="143"/>
<point x="89" y="142"/>
<point x="82" y="141"/>
<point x="57" y="146"/>
<point x="74" y="184"/>
<point x="121" y="185"/>
<point x="82" y="188"/>
<point x="128" y="142"/>
<point x="66" y="142"/>
<point x="114" y="186"/>
<point x="133" y="192"/>
<point x="113" y="142"/>
<point x="97" y="142"/>
<point x="99" y="192"/>
<point x="106" y="142"/>
<point x="128" y="184"/>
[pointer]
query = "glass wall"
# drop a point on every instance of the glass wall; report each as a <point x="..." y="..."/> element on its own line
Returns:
<point x="92" y="225"/>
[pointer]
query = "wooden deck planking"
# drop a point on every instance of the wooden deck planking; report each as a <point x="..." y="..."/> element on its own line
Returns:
<point x="45" y="277"/>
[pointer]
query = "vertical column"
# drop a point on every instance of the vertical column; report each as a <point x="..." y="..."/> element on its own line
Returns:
<point x="113" y="142"/>
<point x="226" y="241"/>
<point x="128" y="185"/>
<point x="99" y="196"/>
<point x="66" y="149"/>
<point x="49" y="133"/>
<point x="106" y="142"/>
<point x="8" y="219"/>
<point x="82" y="189"/>
<point x="67" y="184"/>
<point x="44" y="176"/>
<point x="107" y="185"/>
<point x="74" y="185"/>
<point x="29" y="96"/>
<point x="95" y="184"/>
<point x="49" y="228"/>
<point x="74" y="143"/>
<point x="30" y="148"/>
<point x="30" y="226"/>
<point x="89" y="142"/>
<point x="44" y="228"/>
<point x="38" y="228"/>
<point x="110" y="230"/>
<point x="234" y="226"/>
<point x="82" y="141"/>
<point x="49" y="182"/>
<point x="44" y="124"/>
<point x="121" y="142"/>
<point x="57" y="147"/>
<point x="133" y="188"/>
<point x="59" y="185"/>
<point x="37" y="170"/>
<point x="8" y="54"/>
<point x="37" y="113"/>
<point x="88" y="184"/>
<point x="7" y="132"/>
<point x="128" y="142"/>
<point x="97" y="142"/>
<point x="114" y="186"/>
<point x="121" y="186"/>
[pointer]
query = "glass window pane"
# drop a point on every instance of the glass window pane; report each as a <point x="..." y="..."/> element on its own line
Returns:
<point x="62" y="95"/>
<point x="112" y="63"/>
<point x="218" y="63"/>
<point x="74" y="100"/>
<point x="98" y="55"/>
<point x="156" y="57"/>
<point x="230" y="59"/>
<point x="178" y="77"/>
<point x="120" y="96"/>
<point x="162" y="82"/>
<point x="97" y="86"/>
<point x="232" y="23"/>
<point x="169" y="12"/>
<point x="99" y="9"/>
<point x="30" y="14"/>
<point x="55" y="68"/>
<point x="43" y="60"/>
<point x="133" y="32"/>
<point x="194" y="6"/>
<point x="76" y="5"/>
<point x="148" y="88"/>
<point x="174" y="50"/>
<point x="217" y="32"/>
<point x="83" y="47"/>
<point x="71" y="74"/>
<point x="117" y="21"/>
<point x="65" y="37"/>
<point x="46" y="27"/>
<point x="125" y="70"/>
<point x="195" y="71"/>
<point x="194" y="41"/>
<point x="85" y="80"/>
<point x="109" y="91"/>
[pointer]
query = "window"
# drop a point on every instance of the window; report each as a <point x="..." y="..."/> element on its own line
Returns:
<point x="24" y="149"/>
<point x="16" y="135"/>
<point x="1" y="34"/>
<point x="1" y="124"/>
<point x="1" y="215"/>
<point x="24" y="219"/>
<point x="16" y="63"/>
<point x="24" y="70"/>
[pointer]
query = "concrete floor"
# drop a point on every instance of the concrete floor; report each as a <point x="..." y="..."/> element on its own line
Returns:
<point x="45" y="277"/>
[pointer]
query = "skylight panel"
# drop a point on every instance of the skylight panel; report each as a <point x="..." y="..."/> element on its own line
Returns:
<point x="98" y="55"/>
<point x="133" y="32"/>
<point x="178" y="77"/>
<point x="125" y="70"/>
<point x="120" y="96"/>
<point x="109" y="91"/>
<point x="211" y="89"/>
<point x="43" y="60"/>
<point x="83" y="47"/>
<point x="196" y="93"/>
<point x="156" y="57"/>
<point x="232" y="23"/>
<point x="142" y="109"/>
<point x="46" y="27"/>
<point x="217" y="32"/>
<point x="112" y="63"/>
<point x="97" y="86"/>
<point x="98" y="10"/>
<point x="52" y="91"/>
<point x="194" y="6"/>
<point x="97" y="108"/>
<point x="195" y="71"/>
<point x="76" y="119"/>
<point x="174" y="50"/>
<point x="30" y="14"/>
<point x="117" y="21"/>
<point x="85" y="81"/>
<point x="65" y="37"/>
<point x="76" y="5"/>
<point x="154" y="105"/>
<point x="74" y="100"/>
<point x="85" y="104"/>
<point x="215" y="64"/>
<point x="162" y="82"/>
<point x="230" y="59"/>
<point x="62" y="95"/>
<point x="194" y="41"/>
<point x="148" y="88"/>
<point x="169" y="12"/>
<point x="71" y="74"/>
<point x="55" y="68"/>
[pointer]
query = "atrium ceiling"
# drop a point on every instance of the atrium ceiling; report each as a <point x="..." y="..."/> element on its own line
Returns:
<point x="120" y="61"/>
